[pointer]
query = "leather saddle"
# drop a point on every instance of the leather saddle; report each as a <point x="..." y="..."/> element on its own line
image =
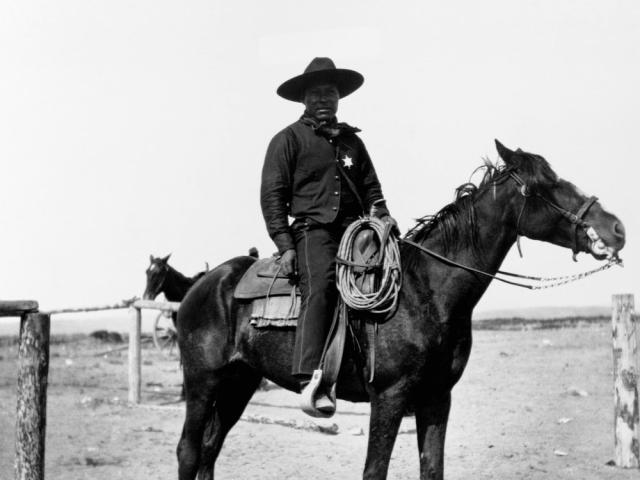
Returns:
<point x="264" y="279"/>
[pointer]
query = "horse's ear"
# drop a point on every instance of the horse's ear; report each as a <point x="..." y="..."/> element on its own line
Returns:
<point x="166" y="259"/>
<point x="504" y="152"/>
<point x="151" y="258"/>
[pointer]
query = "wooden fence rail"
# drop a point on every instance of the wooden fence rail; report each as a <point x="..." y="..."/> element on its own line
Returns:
<point x="17" y="308"/>
<point x="166" y="306"/>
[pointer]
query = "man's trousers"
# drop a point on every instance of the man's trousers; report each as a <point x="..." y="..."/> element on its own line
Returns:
<point x="316" y="249"/>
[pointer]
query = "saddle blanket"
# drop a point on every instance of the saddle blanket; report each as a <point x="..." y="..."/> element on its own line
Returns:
<point x="279" y="312"/>
<point x="275" y="301"/>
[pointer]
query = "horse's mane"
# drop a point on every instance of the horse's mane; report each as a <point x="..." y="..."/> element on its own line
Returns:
<point x="456" y="222"/>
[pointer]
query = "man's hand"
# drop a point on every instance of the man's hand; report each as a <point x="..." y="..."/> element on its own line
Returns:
<point x="394" y="225"/>
<point x="289" y="263"/>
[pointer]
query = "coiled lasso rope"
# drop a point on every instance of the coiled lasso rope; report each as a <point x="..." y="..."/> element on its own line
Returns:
<point x="372" y="283"/>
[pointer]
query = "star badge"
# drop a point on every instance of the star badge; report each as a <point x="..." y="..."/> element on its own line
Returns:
<point x="348" y="161"/>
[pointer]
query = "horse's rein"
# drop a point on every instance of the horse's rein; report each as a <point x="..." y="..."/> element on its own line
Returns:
<point x="575" y="218"/>
<point x="552" y="281"/>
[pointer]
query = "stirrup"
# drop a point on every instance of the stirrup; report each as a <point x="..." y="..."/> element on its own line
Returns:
<point x="308" y="400"/>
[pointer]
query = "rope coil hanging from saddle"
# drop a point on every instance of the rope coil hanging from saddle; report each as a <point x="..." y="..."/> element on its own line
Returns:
<point x="368" y="271"/>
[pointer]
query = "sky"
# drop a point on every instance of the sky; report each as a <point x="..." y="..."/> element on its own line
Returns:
<point x="137" y="128"/>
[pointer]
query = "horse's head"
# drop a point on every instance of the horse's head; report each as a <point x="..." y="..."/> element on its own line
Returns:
<point x="554" y="210"/>
<point x="156" y="275"/>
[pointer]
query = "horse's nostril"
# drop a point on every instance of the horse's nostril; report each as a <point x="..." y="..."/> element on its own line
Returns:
<point x="618" y="229"/>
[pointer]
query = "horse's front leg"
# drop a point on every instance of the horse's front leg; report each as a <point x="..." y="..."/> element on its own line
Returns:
<point x="387" y="409"/>
<point x="431" y="426"/>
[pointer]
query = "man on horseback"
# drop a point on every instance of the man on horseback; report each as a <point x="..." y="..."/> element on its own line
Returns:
<point x="317" y="171"/>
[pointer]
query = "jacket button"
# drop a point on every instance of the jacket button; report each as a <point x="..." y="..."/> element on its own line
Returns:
<point x="335" y="193"/>
<point x="335" y="208"/>
<point x="337" y="177"/>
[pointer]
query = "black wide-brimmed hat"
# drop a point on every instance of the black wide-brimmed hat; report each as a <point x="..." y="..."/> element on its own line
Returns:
<point x="321" y="70"/>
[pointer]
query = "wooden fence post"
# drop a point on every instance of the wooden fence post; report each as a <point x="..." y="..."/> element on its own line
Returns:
<point x="626" y="367"/>
<point x="134" y="355"/>
<point x="33" y="368"/>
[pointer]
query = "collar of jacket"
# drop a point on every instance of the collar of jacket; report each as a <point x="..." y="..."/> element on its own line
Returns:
<point x="329" y="129"/>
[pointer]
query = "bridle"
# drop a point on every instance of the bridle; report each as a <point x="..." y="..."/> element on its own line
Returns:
<point x="576" y="219"/>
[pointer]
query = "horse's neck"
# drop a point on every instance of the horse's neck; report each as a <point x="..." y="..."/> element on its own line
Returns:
<point x="176" y="285"/>
<point x="496" y="231"/>
<point x="495" y="237"/>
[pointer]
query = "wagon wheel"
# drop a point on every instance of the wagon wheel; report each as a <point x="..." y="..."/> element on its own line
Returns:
<point x="165" y="336"/>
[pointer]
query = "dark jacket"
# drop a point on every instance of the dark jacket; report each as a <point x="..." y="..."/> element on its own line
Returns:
<point x="300" y="178"/>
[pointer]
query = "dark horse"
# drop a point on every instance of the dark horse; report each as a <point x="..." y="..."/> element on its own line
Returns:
<point x="420" y="352"/>
<point x="163" y="278"/>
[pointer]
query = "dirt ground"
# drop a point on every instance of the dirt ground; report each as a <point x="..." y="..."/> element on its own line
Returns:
<point x="533" y="404"/>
